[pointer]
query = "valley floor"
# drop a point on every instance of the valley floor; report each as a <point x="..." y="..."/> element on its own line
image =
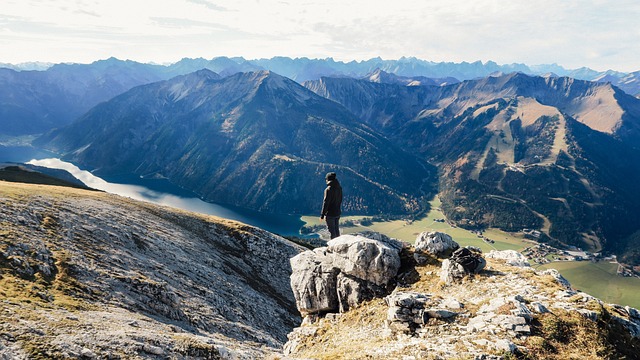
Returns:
<point x="599" y="279"/>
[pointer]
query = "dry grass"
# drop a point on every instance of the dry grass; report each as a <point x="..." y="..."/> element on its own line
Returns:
<point x="361" y="333"/>
<point x="568" y="335"/>
<point x="61" y="291"/>
<point x="342" y="339"/>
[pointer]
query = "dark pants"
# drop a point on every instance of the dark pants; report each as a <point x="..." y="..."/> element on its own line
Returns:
<point x="332" y="224"/>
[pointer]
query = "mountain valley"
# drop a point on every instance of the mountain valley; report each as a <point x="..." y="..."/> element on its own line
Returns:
<point x="517" y="152"/>
<point x="255" y="140"/>
<point x="510" y="150"/>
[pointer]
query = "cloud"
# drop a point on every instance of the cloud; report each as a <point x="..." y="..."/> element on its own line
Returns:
<point x="186" y="23"/>
<point x="85" y="12"/>
<point x="596" y="33"/>
<point x="208" y="4"/>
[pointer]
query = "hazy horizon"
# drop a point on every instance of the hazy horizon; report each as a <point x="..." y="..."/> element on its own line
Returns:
<point x="596" y="34"/>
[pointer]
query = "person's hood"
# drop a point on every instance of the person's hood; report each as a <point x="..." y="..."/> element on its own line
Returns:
<point x="333" y="182"/>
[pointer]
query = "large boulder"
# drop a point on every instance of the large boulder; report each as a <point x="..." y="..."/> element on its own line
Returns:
<point x="366" y="259"/>
<point x="464" y="261"/>
<point x="439" y="244"/>
<point x="352" y="291"/>
<point x="349" y="270"/>
<point x="313" y="281"/>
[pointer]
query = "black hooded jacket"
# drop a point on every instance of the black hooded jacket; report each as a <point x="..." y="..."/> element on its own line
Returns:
<point x="332" y="199"/>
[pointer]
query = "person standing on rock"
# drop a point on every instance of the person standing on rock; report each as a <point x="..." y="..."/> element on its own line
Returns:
<point x="331" y="204"/>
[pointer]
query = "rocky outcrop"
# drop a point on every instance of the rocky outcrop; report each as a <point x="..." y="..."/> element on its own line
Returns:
<point x="463" y="262"/>
<point x="438" y="244"/>
<point x="314" y="282"/>
<point x="349" y="270"/>
<point x="508" y="311"/>
<point x="409" y="310"/>
<point x="502" y="314"/>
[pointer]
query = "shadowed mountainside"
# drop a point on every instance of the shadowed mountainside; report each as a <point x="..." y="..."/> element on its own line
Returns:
<point x="516" y="151"/>
<point x="255" y="140"/>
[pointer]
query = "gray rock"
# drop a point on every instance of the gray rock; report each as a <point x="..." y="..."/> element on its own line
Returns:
<point x="314" y="282"/>
<point x="633" y="313"/>
<point x="351" y="269"/>
<point x="451" y="303"/>
<point x="366" y="259"/>
<point x="505" y="345"/>
<point x="440" y="313"/>
<point x="390" y="242"/>
<point x="522" y="329"/>
<point x="407" y="311"/>
<point x="436" y="243"/>
<point x="151" y="349"/>
<point x="632" y="327"/>
<point x="451" y="272"/>
<point x="538" y="308"/>
<point x="510" y="322"/>
<point x="407" y="299"/>
<point x="87" y="353"/>
<point x="559" y="278"/>
<point x="521" y="310"/>
<point x="421" y="258"/>
<point x="352" y="291"/>
<point x="511" y="257"/>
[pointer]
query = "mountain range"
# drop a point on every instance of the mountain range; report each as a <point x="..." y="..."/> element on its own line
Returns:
<point x="49" y="96"/>
<point x="255" y="140"/>
<point x="516" y="151"/>
<point x="510" y="150"/>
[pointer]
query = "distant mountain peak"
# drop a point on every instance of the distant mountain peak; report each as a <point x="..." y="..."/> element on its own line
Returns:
<point x="379" y="76"/>
<point x="206" y="73"/>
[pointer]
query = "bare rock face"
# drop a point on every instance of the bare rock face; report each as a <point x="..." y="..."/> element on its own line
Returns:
<point x="349" y="270"/>
<point x="314" y="281"/>
<point x="370" y="260"/>
<point x="438" y="244"/>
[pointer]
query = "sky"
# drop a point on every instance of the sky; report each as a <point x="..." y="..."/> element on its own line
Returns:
<point x="598" y="34"/>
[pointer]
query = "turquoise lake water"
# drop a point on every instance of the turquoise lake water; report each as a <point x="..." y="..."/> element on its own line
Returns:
<point x="156" y="191"/>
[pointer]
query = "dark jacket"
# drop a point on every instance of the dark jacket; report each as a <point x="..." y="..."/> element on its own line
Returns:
<point x="332" y="199"/>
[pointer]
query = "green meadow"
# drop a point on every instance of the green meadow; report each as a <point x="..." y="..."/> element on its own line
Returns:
<point x="600" y="280"/>
<point x="409" y="230"/>
<point x="597" y="279"/>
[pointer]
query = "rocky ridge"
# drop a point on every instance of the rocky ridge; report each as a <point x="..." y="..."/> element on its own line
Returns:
<point x="507" y="310"/>
<point x="95" y="276"/>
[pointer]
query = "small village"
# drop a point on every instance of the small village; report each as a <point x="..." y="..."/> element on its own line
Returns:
<point x="539" y="254"/>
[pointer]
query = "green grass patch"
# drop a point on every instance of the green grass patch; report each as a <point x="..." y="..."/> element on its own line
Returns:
<point x="600" y="280"/>
<point x="407" y="230"/>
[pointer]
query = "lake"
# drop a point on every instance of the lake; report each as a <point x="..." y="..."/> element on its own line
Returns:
<point x="157" y="191"/>
<point x="21" y="153"/>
